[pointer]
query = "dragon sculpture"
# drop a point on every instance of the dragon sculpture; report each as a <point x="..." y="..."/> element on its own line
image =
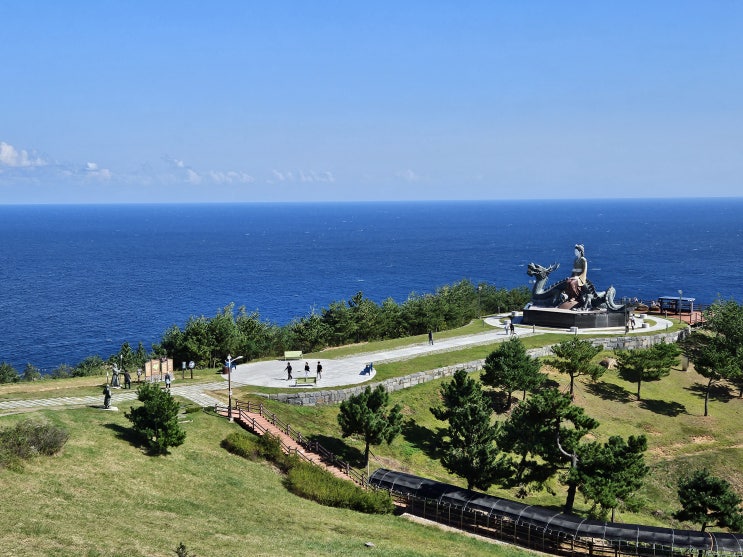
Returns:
<point x="555" y="295"/>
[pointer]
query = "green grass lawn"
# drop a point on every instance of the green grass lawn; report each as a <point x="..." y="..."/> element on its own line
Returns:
<point x="102" y="496"/>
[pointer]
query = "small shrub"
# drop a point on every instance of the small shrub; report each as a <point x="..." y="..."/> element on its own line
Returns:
<point x="30" y="438"/>
<point x="242" y="444"/>
<point x="182" y="551"/>
<point x="269" y="447"/>
<point x="315" y="483"/>
<point x="156" y="421"/>
<point x="308" y="480"/>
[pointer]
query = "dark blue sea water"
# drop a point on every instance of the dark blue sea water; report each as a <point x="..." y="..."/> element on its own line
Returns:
<point x="80" y="280"/>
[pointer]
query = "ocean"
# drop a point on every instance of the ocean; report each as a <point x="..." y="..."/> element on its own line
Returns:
<point x="79" y="280"/>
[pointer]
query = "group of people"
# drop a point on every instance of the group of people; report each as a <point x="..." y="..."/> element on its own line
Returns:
<point x="288" y="370"/>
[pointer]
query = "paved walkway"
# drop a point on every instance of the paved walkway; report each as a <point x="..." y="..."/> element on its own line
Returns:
<point x="337" y="372"/>
<point x="349" y="370"/>
<point x="194" y="393"/>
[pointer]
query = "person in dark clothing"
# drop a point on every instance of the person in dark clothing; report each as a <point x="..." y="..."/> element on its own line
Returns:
<point x="127" y="380"/>
<point x="106" y="397"/>
<point x="319" y="370"/>
<point x="430" y="337"/>
<point x="288" y="371"/>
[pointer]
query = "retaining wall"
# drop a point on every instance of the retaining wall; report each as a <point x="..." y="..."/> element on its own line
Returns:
<point x="312" y="398"/>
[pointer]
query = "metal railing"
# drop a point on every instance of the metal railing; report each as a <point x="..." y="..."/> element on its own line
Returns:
<point x="243" y="412"/>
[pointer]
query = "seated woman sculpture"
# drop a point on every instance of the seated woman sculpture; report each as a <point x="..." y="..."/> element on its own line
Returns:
<point x="577" y="280"/>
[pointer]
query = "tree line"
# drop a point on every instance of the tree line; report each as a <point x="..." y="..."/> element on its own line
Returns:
<point x="207" y="341"/>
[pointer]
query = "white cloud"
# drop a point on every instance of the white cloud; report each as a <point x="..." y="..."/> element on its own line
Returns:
<point x="231" y="177"/>
<point x="306" y="176"/>
<point x="408" y="175"/>
<point x="193" y="177"/>
<point x="12" y="157"/>
<point x="92" y="171"/>
<point x="283" y="176"/>
<point x="313" y="176"/>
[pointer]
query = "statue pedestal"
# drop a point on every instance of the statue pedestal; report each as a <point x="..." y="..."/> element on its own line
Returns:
<point x="567" y="318"/>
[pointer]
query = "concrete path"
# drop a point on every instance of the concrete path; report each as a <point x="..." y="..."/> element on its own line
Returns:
<point x="337" y="372"/>
<point x="194" y="393"/>
<point x="348" y="370"/>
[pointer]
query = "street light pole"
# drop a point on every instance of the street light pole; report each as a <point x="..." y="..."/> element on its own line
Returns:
<point x="230" y="359"/>
<point x="681" y="293"/>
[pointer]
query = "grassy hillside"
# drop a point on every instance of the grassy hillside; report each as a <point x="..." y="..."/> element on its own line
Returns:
<point x="680" y="438"/>
<point x="103" y="497"/>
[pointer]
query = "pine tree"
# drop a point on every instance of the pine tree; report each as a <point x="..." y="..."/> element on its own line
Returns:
<point x="366" y="414"/>
<point x="156" y="421"/>
<point x="545" y="432"/>
<point x="609" y="474"/>
<point x="708" y="500"/>
<point x="575" y="358"/>
<point x="470" y="451"/>
<point x="646" y="364"/>
<point x="510" y="368"/>
<point x="712" y="360"/>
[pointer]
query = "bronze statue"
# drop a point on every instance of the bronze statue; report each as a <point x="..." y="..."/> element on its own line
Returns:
<point x="575" y="292"/>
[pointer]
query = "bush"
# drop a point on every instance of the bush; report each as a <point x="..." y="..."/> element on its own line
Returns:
<point x="308" y="480"/>
<point x="242" y="444"/>
<point x="156" y="421"/>
<point x="30" y="438"/>
<point x="8" y="373"/>
<point x="315" y="483"/>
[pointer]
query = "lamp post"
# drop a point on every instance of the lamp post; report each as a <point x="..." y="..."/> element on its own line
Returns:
<point x="230" y="359"/>
<point x="681" y="293"/>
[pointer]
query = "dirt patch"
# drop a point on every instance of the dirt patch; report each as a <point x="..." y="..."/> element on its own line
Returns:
<point x="702" y="439"/>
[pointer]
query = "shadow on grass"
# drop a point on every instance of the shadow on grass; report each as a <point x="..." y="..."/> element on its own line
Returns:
<point x="429" y="442"/>
<point x="609" y="391"/>
<point x="126" y="434"/>
<point x="663" y="407"/>
<point x="718" y="393"/>
<point x="352" y="455"/>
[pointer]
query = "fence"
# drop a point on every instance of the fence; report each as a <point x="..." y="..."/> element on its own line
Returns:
<point x="244" y="411"/>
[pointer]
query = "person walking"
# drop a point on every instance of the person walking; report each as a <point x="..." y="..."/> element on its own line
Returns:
<point x="288" y="370"/>
<point x="306" y="369"/>
<point x="506" y="327"/>
<point x="319" y="370"/>
<point x="127" y="380"/>
<point x="430" y="337"/>
<point x="167" y="381"/>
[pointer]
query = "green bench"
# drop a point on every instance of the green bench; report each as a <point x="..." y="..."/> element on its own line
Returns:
<point x="293" y="355"/>
<point x="309" y="380"/>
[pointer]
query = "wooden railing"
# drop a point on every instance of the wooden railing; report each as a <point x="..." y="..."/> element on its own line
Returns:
<point x="247" y="410"/>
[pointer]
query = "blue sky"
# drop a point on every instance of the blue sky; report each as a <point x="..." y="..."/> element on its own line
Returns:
<point x="126" y="101"/>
